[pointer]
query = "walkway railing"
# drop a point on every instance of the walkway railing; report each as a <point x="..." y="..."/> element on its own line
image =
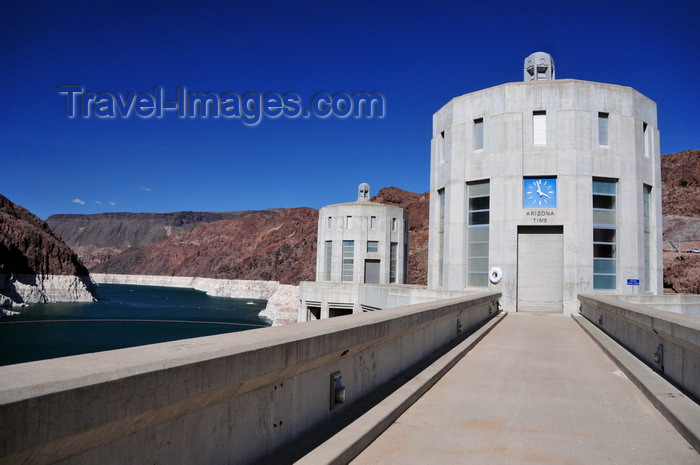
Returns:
<point x="667" y="342"/>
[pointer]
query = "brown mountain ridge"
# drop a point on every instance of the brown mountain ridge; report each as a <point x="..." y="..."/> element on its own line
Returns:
<point x="99" y="237"/>
<point x="279" y="247"/>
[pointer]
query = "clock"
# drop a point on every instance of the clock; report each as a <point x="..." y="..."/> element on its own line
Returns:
<point x="540" y="192"/>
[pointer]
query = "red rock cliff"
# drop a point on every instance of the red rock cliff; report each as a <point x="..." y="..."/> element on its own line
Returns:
<point x="28" y="246"/>
<point x="279" y="247"/>
<point x="35" y="264"/>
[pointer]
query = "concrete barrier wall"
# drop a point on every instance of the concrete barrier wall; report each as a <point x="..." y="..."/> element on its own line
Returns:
<point x="684" y="304"/>
<point x="357" y="297"/>
<point x="220" y="399"/>
<point x="642" y="330"/>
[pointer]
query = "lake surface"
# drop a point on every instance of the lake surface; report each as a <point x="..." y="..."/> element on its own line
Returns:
<point x="125" y="316"/>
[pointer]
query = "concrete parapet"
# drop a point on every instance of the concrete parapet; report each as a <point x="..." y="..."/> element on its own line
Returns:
<point x="685" y="304"/>
<point x="366" y="297"/>
<point x="229" y="398"/>
<point x="678" y="409"/>
<point x="667" y="342"/>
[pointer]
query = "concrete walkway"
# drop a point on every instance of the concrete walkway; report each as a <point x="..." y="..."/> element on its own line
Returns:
<point x="536" y="390"/>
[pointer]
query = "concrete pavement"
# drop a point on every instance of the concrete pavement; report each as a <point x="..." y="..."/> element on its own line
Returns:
<point x="536" y="390"/>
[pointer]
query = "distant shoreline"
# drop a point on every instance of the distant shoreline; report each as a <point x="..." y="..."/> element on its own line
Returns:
<point x="282" y="299"/>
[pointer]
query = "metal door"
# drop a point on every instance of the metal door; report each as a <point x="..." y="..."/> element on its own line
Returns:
<point x="540" y="269"/>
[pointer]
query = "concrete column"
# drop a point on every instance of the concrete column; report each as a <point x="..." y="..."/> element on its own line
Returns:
<point x="324" y="308"/>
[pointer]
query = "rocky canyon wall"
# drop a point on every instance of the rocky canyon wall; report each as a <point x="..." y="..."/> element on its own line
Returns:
<point x="36" y="266"/>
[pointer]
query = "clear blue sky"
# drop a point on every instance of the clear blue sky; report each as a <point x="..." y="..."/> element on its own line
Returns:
<point x="418" y="55"/>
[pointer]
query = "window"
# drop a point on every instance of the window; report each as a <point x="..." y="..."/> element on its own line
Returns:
<point x="478" y="133"/>
<point x="441" y="234"/>
<point x="372" y="246"/>
<point x="539" y="127"/>
<point x="604" y="234"/>
<point x="348" y="221"/>
<point x="646" y="134"/>
<point x="393" y="224"/>
<point x="372" y="222"/>
<point x="647" y="238"/>
<point x="348" y="260"/>
<point x="329" y="222"/>
<point x="329" y="259"/>
<point x="392" y="261"/>
<point x="441" y="146"/>
<point x="602" y="129"/>
<point x="404" y="262"/>
<point x="478" y="194"/>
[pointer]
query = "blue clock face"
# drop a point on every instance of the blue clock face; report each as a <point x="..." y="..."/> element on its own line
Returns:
<point x="540" y="193"/>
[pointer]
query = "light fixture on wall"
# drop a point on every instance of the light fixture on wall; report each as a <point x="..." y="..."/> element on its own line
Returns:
<point x="495" y="275"/>
<point x="659" y="356"/>
<point x="337" y="390"/>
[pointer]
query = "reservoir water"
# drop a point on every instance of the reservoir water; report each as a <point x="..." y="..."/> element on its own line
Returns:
<point x="125" y="316"/>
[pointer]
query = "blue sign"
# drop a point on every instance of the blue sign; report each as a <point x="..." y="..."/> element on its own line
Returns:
<point x="633" y="282"/>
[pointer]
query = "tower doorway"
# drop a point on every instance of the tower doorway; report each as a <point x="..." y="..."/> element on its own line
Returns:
<point x="371" y="271"/>
<point x="540" y="269"/>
